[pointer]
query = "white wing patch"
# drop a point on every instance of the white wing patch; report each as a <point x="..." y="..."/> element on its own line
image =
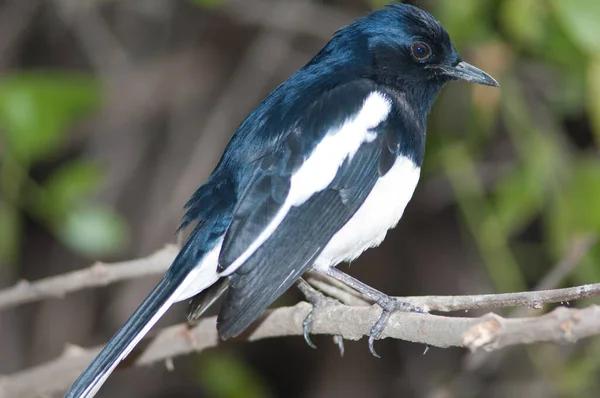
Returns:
<point x="320" y="168"/>
<point x="317" y="172"/>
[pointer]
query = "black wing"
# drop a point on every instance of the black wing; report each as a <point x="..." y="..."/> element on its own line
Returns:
<point x="269" y="187"/>
<point x="299" y="239"/>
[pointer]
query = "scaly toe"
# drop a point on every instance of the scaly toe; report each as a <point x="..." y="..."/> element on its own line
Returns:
<point x="371" y="348"/>
<point x="389" y="306"/>
<point x="318" y="301"/>
<point x="394" y="305"/>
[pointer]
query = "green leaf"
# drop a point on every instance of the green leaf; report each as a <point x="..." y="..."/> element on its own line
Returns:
<point x="581" y="19"/>
<point x="523" y="20"/>
<point x="37" y="108"/>
<point x="71" y="184"/>
<point x="582" y="197"/>
<point x="575" y="209"/>
<point x="518" y="199"/>
<point x="558" y="48"/>
<point x="588" y="268"/>
<point x="569" y="97"/>
<point x="94" y="231"/>
<point x="227" y="376"/>
<point x="465" y="20"/>
<point x="10" y="232"/>
<point x="593" y="97"/>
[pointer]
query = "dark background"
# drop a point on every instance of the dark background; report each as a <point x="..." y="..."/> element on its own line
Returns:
<point x="113" y="112"/>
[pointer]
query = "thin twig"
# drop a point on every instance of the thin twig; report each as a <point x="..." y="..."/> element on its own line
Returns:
<point x="576" y="252"/>
<point x="261" y="60"/>
<point x="534" y="300"/>
<point x="99" y="274"/>
<point x="101" y="45"/>
<point x="489" y="332"/>
<point x="15" y="20"/>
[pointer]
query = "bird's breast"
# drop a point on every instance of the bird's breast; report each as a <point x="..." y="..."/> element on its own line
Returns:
<point x="381" y="211"/>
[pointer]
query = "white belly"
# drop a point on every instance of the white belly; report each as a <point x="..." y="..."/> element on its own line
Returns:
<point x="380" y="212"/>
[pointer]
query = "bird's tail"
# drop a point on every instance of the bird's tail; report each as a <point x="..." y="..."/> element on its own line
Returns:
<point x="175" y="286"/>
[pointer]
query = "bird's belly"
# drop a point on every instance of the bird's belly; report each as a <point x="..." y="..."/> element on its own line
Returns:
<point x="381" y="211"/>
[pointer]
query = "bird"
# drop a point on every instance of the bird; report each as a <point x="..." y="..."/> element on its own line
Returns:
<point x="315" y="175"/>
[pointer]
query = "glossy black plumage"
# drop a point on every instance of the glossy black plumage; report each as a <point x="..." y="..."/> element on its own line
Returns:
<point x="189" y="255"/>
<point x="307" y="228"/>
<point x="374" y="56"/>
<point x="371" y="48"/>
<point x="282" y="131"/>
<point x="270" y="183"/>
<point x="271" y="271"/>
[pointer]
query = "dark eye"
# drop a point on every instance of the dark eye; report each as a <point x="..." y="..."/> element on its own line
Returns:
<point x="420" y="50"/>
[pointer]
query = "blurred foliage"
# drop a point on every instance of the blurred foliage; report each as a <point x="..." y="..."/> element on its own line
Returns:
<point x="524" y="218"/>
<point x="546" y="56"/>
<point x="540" y="52"/>
<point x="37" y="111"/>
<point x="224" y="375"/>
<point x="206" y="2"/>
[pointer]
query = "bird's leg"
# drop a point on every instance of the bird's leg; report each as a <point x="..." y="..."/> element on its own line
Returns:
<point x="318" y="300"/>
<point x="388" y="304"/>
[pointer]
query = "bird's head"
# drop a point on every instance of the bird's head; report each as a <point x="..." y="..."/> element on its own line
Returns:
<point x="405" y="45"/>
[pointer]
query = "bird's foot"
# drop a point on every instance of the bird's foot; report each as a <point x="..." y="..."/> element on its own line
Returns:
<point x="388" y="305"/>
<point x="318" y="301"/>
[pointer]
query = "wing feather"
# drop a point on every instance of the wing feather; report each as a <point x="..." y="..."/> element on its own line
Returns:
<point x="304" y="163"/>
<point x="299" y="239"/>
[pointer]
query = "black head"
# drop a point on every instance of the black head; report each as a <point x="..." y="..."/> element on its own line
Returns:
<point x="406" y="46"/>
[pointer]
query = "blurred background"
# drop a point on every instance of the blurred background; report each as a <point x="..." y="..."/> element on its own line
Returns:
<point x="112" y="112"/>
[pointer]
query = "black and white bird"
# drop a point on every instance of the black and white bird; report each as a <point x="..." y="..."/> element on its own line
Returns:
<point x="315" y="175"/>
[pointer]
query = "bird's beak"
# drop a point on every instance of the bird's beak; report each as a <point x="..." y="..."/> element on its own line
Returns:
<point x="466" y="71"/>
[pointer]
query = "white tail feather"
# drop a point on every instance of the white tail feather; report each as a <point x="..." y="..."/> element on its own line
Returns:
<point x="200" y="278"/>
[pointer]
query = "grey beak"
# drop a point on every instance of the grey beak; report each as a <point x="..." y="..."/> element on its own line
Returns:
<point x="467" y="72"/>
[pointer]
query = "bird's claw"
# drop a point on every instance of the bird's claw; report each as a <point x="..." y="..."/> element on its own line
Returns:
<point x="339" y="340"/>
<point x="319" y="301"/>
<point x="306" y="327"/>
<point x="388" y="307"/>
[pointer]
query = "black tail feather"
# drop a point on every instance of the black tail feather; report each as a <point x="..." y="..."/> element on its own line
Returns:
<point x="125" y="339"/>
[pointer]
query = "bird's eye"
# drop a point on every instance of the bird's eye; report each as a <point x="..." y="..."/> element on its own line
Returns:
<point x="420" y="50"/>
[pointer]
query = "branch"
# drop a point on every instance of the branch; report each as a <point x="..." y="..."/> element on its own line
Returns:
<point x="102" y="274"/>
<point x="489" y="332"/>
<point x="578" y="249"/>
<point x="15" y="20"/>
<point x="99" y="274"/>
<point x="534" y="300"/>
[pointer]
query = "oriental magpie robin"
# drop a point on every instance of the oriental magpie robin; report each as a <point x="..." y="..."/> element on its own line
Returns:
<point x="315" y="175"/>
